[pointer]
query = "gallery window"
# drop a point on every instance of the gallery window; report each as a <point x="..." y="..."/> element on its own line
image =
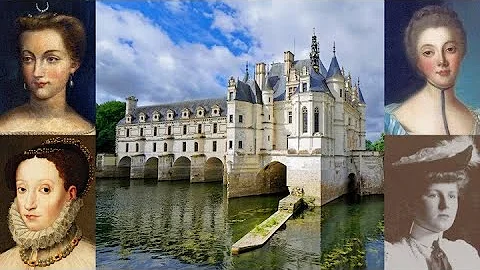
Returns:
<point x="305" y="120"/>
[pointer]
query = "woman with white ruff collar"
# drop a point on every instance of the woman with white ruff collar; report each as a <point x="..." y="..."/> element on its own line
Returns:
<point x="50" y="181"/>
<point x="427" y="186"/>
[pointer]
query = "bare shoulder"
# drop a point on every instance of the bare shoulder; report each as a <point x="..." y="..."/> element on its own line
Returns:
<point x="79" y="124"/>
<point x="14" y="119"/>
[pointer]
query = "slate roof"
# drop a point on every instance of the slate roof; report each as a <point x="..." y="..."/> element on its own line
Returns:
<point x="177" y="107"/>
<point x="276" y="80"/>
<point x="334" y="68"/>
<point x="361" y="96"/>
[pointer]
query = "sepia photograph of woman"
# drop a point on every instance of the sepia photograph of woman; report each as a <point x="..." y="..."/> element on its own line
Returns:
<point x="50" y="51"/>
<point x="435" y="46"/>
<point x="430" y="189"/>
<point x="50" y="182"/>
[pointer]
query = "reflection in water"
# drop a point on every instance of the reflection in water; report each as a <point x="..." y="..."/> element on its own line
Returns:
<point x="178" y="225"/>
<point x="352" y="234"/>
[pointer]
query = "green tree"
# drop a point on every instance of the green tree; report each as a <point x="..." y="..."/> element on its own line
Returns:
<point x="377" y="145"/>
<point x="108" y="115"/>
<point x="368" y="145"/>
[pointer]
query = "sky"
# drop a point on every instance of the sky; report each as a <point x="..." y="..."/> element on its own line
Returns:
<point x="168" y="51"/>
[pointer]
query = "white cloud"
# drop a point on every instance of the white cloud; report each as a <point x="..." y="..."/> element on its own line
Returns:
<point x="163" y="71"/>
<point x="151" y="66"/>
<point x="175" y="6"/>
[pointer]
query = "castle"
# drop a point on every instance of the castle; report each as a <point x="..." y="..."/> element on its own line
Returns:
<point x="293" y="125"/>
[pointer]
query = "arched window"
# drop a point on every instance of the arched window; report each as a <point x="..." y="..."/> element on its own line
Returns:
<point x="154" y="147"/>
<point x="128" y="133"/>
<point x="316" y="120"/>
<point x="154" y="131"/>
<point x="305" y="120"/>
<point x="195" y="147"/>
<point x="169" y="130"/>
<point x="165" y="147"/>
<point x="199" y="128"/>
<point x="214" y="127"/>
<point x="126" y="147"/>
<point x="136" y="147"/>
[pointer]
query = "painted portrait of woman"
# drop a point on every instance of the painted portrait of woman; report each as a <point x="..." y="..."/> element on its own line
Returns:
<point x="50" y="182"/>
<point x="427" y="194"/>
<point x="422" y="98"/>
<point x="55" y="72"/>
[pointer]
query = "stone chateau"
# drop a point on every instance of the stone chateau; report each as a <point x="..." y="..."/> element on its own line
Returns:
<point x="292" y="125"/>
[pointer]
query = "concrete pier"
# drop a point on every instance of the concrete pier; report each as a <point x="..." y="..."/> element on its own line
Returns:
<point x="262" y="232"/>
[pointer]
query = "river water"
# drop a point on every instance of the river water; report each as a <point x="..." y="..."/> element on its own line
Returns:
<point x="144" y="224"/>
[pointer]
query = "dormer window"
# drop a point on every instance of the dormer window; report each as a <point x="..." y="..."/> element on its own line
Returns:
<point x="128" y="119"/>
<point x="170" y="114"/>
<point x="185" y="113"/>
<point x="142" y="117"/>
<point x="156" y="116"/>
<point x="304" y="70"/>
<point x="215" y="110"/>
<point x="200" y="112"/>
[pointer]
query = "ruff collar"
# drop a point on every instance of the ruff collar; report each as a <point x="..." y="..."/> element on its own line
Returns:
<point x="46" y="237"/>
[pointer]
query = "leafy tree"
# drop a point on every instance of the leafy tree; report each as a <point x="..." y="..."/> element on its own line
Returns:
<point x="108" y="115"/>
<point x="368" y="145"/>
<point x="377" y="145"/>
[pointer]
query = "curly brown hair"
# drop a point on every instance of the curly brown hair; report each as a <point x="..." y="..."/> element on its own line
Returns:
<point x="431" y="17"/>
<point x="70" y="29"/>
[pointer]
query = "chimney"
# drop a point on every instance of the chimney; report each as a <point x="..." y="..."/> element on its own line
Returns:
<point x="260" y="74"/>
<point x="131" y="105"/>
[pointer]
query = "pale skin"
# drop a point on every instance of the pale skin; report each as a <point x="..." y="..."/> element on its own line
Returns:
<point x="439" y="55"/>
<point x="436" y="212"/>
<point x="46" y="67"/>
<point x="40" y="193"/>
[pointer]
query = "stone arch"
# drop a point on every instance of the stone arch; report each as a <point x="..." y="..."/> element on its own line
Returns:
<point x="352" y="186"/>
<point x="124" y="167"/>
<point x="274" y="177"/>
<point x="151" y="168"/>
<point x="213" y="170"/>
<point x="181" y="168"/>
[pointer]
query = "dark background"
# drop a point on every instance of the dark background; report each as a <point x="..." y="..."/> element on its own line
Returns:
<point x="82" y="96"/>
<point x="401" y="80"/>
<point x="12" y="145"/>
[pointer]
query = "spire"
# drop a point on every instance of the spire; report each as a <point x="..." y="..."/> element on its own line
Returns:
<point x="245" y="79"/>
<point x="360" y="95"/>
<point x="314" y="57"/>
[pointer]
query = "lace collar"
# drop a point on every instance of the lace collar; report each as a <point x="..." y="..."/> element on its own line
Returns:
<point x="46" y="237"/>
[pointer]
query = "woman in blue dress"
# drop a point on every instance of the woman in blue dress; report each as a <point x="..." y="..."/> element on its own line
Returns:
<point x="435" y="43"/>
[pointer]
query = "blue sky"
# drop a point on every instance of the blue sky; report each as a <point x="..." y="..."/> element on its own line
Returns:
<point x="166" y="51"/>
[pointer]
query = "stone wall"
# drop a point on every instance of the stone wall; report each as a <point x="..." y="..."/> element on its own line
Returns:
<point x="371" y="173"/>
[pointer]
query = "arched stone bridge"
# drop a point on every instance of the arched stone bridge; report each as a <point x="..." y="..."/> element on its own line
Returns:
<point x="184" y="166"/>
